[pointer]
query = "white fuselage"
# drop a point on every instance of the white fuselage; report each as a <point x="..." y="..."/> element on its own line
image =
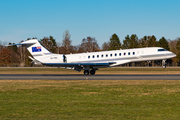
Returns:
<point x="118" y="56"/>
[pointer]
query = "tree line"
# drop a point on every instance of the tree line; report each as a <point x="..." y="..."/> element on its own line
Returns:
<point x="18" y="55"/>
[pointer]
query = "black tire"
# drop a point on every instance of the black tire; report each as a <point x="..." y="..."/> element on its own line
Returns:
<point x="86" y="72"/>
<point x="92" y="72"/>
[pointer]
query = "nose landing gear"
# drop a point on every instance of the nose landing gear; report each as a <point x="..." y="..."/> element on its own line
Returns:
<point x="163" y="63"/>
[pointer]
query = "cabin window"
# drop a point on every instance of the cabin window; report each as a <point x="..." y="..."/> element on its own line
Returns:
<point x="93" y="56"/>
<point x="133" y="53"/>
<point x="124" y="53"/>
<point x="88" y="57"/>
<point x="106" y="55"/>
<point x="115" y="54"/>
<point x="119" y="54"/>
<point x="111" y="55"/>
<point x="101" y="55"/>
<point x="128" y="53"/>
<point x="162" y="50"/>
<point x="97" y="56"/>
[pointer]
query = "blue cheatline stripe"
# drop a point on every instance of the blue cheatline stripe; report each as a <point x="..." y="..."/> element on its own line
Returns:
<point x="74" y="64"/>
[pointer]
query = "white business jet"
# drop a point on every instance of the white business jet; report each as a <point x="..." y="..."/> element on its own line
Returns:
<point x="91" y="61"/>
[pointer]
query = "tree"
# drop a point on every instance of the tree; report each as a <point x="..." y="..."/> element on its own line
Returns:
<point x="163" y="43"/>
<point x="152" y="41"/>
<point x="134" y="41"/>
<point x="143" y="42"/>
<point x="22" y="55"/>
<point x="54" y="45"/>
<point x="89" y="45"/>
<point x="14" y="53"/>
<point x="105" y="46"/>
<point x="49" y="43"/>
<point x="172" y="45"/>
<point x="80" y="49"/>
<point x="130" y="42"/>
<point x="178" y="49"/>
<point x="114" y="42"/>
<point x="5" y="57"/>
<point x="58" y="47"/>
<point x="126" y="42"/>
<point x="66" y="42"/>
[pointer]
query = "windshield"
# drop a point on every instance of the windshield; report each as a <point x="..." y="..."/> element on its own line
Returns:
<point x="162" y="50"/>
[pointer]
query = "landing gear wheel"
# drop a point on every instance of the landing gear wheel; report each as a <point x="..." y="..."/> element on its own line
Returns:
<point x="86" y="72"/>
<point x="164" y="66"/>
<point x="92" y="72"/>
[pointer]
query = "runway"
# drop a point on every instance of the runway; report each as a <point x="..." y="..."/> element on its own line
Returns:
<point x="88" y="77"/>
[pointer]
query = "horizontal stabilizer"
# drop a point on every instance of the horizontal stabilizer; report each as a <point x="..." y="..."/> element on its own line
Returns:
<point x="23" y="43"/>
<point x="31" y="58"/>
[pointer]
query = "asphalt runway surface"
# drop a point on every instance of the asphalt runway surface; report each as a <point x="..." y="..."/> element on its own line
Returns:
<point x="88" y="77"/>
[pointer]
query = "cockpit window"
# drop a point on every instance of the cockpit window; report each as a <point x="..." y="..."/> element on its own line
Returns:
<point x="162" y="50"/>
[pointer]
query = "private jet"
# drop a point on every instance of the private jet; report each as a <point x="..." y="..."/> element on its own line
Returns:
<point x="91" y="61"/>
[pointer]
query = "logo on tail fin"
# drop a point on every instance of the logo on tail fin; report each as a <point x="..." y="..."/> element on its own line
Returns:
<point x="36" y="49"/>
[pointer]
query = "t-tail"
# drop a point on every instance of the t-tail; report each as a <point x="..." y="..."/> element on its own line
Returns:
<point x="36" y="50"/>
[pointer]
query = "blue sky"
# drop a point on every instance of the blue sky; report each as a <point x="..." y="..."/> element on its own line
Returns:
<point x="22" y="19"/>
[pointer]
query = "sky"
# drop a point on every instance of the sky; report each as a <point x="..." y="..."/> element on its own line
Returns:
<point x="100" y="19"/>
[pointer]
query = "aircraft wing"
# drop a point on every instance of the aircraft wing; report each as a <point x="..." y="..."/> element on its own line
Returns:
<point x="78" y="64"/>
<point x="120" y="62"/>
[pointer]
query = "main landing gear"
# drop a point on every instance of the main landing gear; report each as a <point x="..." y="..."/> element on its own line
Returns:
<point x="92" y="72"/>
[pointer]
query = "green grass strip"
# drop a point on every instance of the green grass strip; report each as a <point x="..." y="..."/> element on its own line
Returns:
<point x="104" y="99"/>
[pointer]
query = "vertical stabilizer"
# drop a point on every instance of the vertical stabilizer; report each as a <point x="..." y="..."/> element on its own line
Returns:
<point x="35" y="48"/>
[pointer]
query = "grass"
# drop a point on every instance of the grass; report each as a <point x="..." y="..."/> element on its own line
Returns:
<point x="103" y="99"/>
<point x="100" y="71"/>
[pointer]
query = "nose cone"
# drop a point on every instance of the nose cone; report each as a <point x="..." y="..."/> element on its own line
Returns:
<point x="174" y="55"/>
<point x="170" y="55"/>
